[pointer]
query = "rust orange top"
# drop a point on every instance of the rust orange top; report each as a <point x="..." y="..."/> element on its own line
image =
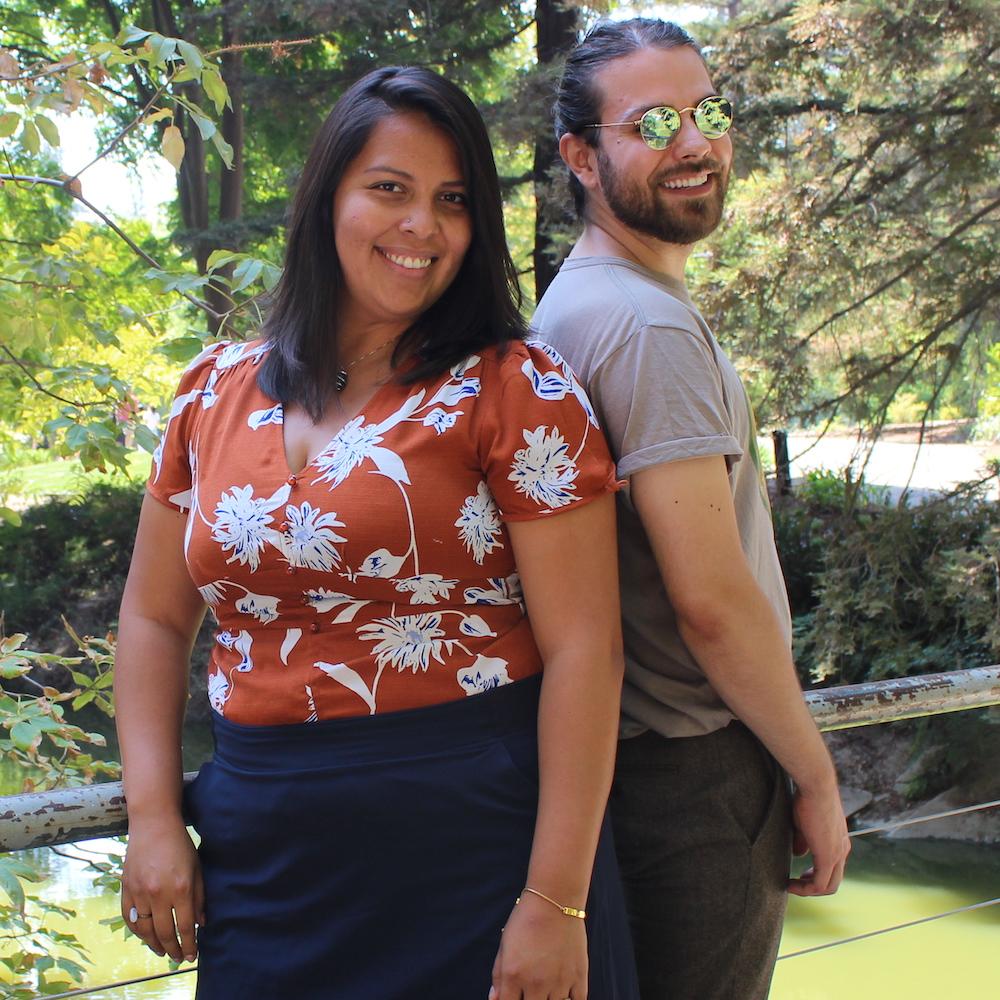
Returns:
<point x="380" y="577"/>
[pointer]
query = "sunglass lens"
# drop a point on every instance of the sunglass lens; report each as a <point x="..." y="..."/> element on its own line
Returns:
<point x="658" y="126"/>
<point x="713" y="117"/>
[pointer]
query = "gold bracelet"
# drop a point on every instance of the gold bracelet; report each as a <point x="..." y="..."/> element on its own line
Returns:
<point x="569" y="911"/>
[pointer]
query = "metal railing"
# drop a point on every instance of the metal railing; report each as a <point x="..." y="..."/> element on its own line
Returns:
<point x="48" y="819"/>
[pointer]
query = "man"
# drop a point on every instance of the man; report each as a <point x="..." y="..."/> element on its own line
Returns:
<point x="712" y="712"/>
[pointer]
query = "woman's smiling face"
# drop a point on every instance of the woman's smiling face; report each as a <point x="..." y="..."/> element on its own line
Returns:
<point x="401" y="223"/>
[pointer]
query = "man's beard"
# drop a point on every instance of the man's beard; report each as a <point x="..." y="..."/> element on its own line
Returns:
<point x="686" y="221"/>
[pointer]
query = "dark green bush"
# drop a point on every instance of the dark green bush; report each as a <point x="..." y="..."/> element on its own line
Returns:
<point x="883" y="591"/>
<point x="64" y="552"/>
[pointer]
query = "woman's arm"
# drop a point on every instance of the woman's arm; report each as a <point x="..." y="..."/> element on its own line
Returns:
<point x="569" y="572"/>
<point x="160" y="615"/>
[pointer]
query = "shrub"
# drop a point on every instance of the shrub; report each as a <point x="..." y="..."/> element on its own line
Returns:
<point x="881" y="591"/>
<point x="63" y="551"/>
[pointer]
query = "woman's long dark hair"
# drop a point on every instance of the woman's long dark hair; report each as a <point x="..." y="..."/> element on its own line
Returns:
<point x="481" y="306"/>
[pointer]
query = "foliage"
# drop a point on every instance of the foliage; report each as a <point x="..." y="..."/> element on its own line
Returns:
<point x="881" y="591"/>
<point x="65" y="547"/>
<point x="858" y="256"/>
<point x="36" y="735"/>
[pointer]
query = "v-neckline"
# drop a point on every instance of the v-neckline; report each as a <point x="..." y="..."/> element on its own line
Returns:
<point x="362" y="411"/>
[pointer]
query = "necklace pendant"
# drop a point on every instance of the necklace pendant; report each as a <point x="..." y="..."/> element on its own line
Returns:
<point x="340" y="380"/>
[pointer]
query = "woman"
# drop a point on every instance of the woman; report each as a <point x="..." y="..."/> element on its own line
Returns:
<point x="401" y="804"/>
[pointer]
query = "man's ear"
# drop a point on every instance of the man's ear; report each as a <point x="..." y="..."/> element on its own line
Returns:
<point x="581" y="158"/>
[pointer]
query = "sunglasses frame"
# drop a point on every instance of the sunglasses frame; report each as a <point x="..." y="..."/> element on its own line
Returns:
<point x="649" y="133"/>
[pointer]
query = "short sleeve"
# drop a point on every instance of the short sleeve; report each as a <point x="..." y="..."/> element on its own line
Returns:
<point x="663" y="399"/>
<point x="540" y="445"/>
<point x="170" y="477"/>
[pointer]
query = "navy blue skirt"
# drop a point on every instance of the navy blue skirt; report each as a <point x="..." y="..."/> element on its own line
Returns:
<point x="378" y="858"/>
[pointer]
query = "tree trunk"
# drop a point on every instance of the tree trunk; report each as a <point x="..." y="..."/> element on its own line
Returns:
<point x="230" y="181"/>
<point x="555" y="24"/>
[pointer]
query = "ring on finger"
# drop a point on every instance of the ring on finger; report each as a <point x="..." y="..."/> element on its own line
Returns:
<point x="134" y="915"/>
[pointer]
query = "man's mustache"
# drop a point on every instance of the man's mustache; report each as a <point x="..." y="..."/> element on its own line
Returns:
<point x="709" y="164"/>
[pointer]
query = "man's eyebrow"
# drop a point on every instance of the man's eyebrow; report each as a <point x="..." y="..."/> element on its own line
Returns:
<point x="383" y="168"/>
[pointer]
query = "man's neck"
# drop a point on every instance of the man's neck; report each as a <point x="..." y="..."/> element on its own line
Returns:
<point x="608" y="238"/>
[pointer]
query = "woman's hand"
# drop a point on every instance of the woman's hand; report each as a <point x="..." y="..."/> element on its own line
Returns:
<point x="162" y="881"/>
<point x="542" y="956"/>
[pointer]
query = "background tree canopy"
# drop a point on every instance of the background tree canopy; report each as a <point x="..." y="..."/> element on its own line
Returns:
<point x="855" y="266"/>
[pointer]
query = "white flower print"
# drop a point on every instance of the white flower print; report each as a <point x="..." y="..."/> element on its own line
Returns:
<point x="544" y="383"/>
<point x="441" y="420"/>
<point x="261" y="418"/>
<point x="486" y="673"/>
<point x="407" y="641"/>
<point x="479" y="523"/>
<point x="501" y="591"/>
<point x="426" y="588"/>
<point x="352" y="445"/>
<point x="459" y="370"/>
<point x="454" y="392"/>
<point x="218" y="691"/>
<point x="242" y="646"/>
<point x="226" y="638"/>
<point x="309" y="540"/>
<point x="476" y="626"/>
<point x="232" y="354"/>
<point x="241" y="523"/>
<point x="543" y="471"/>
<point x="211" y="593"/>
<point x="381" y="564"/>
<point x="323" y="600"/>
<point x="262" y="607"/>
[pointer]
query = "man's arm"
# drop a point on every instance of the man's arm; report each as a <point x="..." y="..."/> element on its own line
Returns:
<point x="729" y="625"/>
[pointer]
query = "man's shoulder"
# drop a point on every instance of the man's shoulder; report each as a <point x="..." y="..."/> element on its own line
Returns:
<point x="611" y="295"/>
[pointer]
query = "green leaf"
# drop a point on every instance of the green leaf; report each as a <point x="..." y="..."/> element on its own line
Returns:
<point x="145" y="438"/>
<point x="219" y="258"/>
<point x="206" y="126"/>
<point x="26" y="735"/>
<point x="130" y="35"/>
<point x="246" y="273"/>
<point x="10" y="516"/>
<point x="172" y="146"/>
<point x="12" y="886"/>
<point x="191" y="54"/>
<point x="13" y="666"/>
<point x="48" y="129"/>
<point x="8" y="124"/>
<point x="215" y="87"/>
<point x="161" y="49"/>
<point x="30" y="139"/>
<point x="224" y="150"/>
<point x="180" y="349"/>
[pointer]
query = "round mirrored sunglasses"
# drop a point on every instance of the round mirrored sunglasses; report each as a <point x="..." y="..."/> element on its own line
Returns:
<point x="712" y="117"/>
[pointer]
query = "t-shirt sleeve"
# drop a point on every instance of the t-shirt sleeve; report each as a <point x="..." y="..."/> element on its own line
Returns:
<point x="662" y="399"/>
<point x="539" y="441"/>
<point x="170" y="477"/>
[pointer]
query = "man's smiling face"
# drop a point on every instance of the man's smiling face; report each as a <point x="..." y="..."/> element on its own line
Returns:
<point x="676" y="194"/>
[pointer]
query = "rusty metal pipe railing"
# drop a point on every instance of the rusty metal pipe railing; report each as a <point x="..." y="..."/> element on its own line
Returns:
<point x="47" y="819"/>
<point x="904" y="698"/>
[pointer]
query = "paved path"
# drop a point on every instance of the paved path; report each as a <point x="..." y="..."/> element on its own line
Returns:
<point x="929" y="467"/>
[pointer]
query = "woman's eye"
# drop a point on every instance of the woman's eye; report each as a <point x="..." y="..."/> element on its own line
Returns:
<point x="455" y="198"/>
<point x="387" y="186"/>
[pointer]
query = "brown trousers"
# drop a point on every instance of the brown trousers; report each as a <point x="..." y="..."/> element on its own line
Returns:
<point x="703" y="833"/>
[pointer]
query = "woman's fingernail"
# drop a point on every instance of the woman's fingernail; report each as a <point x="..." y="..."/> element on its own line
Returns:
<point x="189" y="958"/>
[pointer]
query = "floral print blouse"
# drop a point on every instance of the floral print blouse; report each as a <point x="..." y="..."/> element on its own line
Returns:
<point x="381" y="576"/>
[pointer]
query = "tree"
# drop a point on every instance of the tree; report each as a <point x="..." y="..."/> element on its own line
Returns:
<point x="858" y="258"/>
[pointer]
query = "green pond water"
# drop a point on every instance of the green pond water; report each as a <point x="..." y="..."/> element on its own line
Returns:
<point x="889" y="882"/>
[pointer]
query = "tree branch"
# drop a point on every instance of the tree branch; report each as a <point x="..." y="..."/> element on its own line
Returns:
<point x="112" y="225"/>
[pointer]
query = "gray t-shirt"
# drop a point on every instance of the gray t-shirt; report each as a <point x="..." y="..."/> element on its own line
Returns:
<point x="663" y="391"/>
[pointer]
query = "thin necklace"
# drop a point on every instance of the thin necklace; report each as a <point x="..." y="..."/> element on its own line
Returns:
<point x="340" y="379"/>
